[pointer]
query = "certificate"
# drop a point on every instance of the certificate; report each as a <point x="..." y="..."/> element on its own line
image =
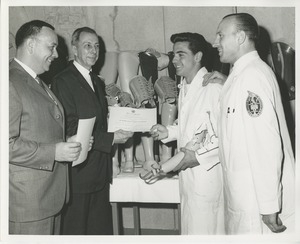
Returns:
<point x="131" y="119"/>
<point x="84" y="133"/>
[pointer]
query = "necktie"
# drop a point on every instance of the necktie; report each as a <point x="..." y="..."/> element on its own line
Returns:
<point x="94" y="84"/>
<point x="41" y="83"/>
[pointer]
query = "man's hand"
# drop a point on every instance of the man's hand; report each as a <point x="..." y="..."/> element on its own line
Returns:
<point x="159" y="132"/>
<point x="214" y="77"/>
<point x="91" y="143"/>
<point x="73" y="139"/>
<point x="273" y="222"/>
<point x="67" y="151"/>
<point x="121" y="136"/>
<point x="189" y="160"/>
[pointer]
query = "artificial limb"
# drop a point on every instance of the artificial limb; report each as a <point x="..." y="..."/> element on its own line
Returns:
<point x="150" y="62"/>
<point x="166" y="89"/>
<point x="109" y="72"/>
<point x="128" y="66"/>
<point x="204" y="141"/>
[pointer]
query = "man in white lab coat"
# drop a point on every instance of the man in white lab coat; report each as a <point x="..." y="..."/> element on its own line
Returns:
<point x="255" y="148"/>
<point x="200" y="179"/>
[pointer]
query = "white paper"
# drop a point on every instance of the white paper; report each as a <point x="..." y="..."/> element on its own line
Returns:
<point x="131" y="119"/>
<point x="84" y="133"/>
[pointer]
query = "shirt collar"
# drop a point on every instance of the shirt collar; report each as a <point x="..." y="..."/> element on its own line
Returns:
<point x="26" y="68"/>
<point x="244" y="60"/>
<point x="85" y="72"/>
<point x="198" y="77"/>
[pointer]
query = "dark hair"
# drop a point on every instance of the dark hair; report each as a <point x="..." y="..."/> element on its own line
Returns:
<point x="197" y="43"/>
<point x="246" y="23"/>
<point x="77" y="32"/>
<point x="30" y="29"/>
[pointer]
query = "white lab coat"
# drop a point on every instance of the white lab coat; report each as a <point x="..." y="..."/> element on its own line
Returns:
<point x="201" y="192"/>
<point x="251" y="137"/>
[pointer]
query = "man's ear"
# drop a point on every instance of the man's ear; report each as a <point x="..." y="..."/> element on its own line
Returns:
<point x="30" y="43"/>
<point x="74" y="48"/>
<point x="241" y="37"/>
<point x="198" y="56"/>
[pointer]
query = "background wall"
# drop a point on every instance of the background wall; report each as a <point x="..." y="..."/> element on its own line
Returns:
<point x="138" y="28"/>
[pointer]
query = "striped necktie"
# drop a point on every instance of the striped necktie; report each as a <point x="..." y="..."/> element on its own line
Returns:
<point x="41" y="83"/>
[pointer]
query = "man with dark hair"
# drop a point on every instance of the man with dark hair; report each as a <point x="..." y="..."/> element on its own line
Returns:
<point x="38" y="176"/>
<point x="255" y="148"/>
<point x="82" y="94"/>
<point x="200" y="175"/>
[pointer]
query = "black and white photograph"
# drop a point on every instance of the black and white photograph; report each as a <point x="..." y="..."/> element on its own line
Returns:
<point x="149" y="121"/>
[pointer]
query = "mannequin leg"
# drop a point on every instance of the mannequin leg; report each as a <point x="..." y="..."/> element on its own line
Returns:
<point x="109" y="72"/>
<point x="128" y="151"/>
<point x="149" y="66"/>
<point x="128" y="68"/>
<point x="148" y="142"/>
<point x="115" y="161"/>
<point x="168" y="116"/>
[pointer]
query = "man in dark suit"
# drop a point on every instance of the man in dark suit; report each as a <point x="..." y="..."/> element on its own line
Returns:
<point x="38" y="176"/>
<point x="83" y="96"/>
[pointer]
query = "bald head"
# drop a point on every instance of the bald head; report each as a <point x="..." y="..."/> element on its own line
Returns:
<point x="247" y="23"/>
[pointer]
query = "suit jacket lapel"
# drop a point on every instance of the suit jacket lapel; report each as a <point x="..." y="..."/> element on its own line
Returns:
<point x="34" y="85"/>
<point x="81" y="79"/>
<point x="86" y="86"/>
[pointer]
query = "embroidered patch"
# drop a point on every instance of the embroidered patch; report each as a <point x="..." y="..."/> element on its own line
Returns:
<point x="254" y="104"/>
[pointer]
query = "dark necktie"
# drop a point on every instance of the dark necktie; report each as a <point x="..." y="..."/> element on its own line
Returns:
<point x="94" y="84"/>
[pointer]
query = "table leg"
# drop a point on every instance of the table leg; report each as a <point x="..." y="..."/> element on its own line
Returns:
<point x="115" y="216"/>
<point x="136" y="219"/>
<point x="179" y="218"/>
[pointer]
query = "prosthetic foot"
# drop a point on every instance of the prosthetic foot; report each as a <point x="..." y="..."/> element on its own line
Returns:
<point x="115" y="162"/>
<point x="148" y="152"/>
<point x="128" y="165"/>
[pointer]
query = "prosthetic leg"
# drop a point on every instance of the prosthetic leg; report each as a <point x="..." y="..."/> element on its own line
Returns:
<point x="149" y="66"/>
<point x="128" y="68"/>
<point x="204" y="141"/>
<point x="166" y="89"/>
<point x="109" y="72"/>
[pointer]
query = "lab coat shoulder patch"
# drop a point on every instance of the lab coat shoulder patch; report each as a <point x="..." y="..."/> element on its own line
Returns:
<point x="254" y="104"/>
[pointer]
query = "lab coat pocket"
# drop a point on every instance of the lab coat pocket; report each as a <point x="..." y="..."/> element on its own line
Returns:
<point x="208" y="184"/>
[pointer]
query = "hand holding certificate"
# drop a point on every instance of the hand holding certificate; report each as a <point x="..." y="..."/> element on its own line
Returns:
<point x="131" y="119"/>
<point x="84" y="133"/>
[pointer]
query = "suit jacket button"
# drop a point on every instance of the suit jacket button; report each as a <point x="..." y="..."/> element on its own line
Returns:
<point x="57" y="116"/>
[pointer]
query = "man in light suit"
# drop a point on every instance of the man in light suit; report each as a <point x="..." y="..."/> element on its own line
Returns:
<point x="38" y="172"/>
<point x="82" y="94"/>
